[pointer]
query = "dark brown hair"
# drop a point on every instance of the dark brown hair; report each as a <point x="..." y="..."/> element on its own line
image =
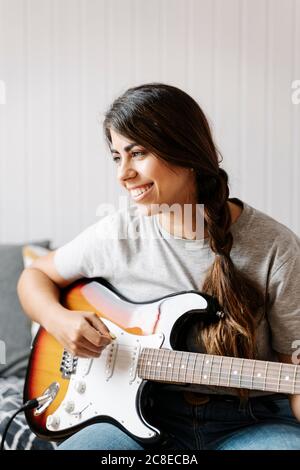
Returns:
<point x="170" y="124"/>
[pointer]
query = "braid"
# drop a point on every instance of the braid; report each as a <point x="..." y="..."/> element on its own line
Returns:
<point x="240" y="297"/>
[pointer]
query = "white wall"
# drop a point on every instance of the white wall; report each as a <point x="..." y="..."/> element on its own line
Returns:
<point x="63" y="61"/>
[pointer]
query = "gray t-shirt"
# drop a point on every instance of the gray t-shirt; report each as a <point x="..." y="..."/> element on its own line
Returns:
<point x="144" y="262"/>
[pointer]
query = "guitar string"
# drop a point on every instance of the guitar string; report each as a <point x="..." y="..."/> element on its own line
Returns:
<point x="175" y="366"/>
<point x="280" y="381"/>
<point x="213" y="376"/>
<point x="213" y="361"/>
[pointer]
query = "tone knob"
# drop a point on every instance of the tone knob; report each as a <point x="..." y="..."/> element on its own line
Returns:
<point x="53" y="421"/>
<point x="80" y="386"/>
<point x="69" y="406"/>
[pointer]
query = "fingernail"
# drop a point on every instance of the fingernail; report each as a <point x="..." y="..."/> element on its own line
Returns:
<point x="112" y="335"/>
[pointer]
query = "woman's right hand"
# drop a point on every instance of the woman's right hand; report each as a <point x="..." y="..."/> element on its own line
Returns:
<point x="82" y="334"/>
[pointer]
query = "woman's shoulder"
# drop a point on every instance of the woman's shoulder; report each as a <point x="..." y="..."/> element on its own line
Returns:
<point x="269" y="233"/>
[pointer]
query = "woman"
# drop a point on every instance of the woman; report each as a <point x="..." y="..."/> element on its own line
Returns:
<point x="164" y="153"/>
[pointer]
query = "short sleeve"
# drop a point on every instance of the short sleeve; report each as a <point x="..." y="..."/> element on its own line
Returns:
<point x="284" y="305"/>
<point x="73" y="260"/>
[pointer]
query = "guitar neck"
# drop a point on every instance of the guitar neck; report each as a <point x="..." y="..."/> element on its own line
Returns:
<point x="164" y="365"/>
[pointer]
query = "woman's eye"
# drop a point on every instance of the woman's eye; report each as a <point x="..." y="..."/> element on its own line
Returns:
<point x="139" y="153"/>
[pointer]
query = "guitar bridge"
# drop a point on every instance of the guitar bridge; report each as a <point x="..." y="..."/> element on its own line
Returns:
<point x="68" y="365"/>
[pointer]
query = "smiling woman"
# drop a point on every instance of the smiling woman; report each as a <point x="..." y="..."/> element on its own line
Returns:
<point x="245" y="262"/>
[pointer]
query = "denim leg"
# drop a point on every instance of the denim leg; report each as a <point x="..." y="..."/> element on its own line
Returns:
<point x="274" y="428"/>
<point x="100" y="436"/>
<point x="263" y="436"/>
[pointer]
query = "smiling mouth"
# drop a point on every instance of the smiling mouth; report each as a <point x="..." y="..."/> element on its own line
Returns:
<point x="138" y="194"/>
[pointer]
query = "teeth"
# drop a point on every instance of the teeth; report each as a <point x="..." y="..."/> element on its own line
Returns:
<point x="139" y="191"/>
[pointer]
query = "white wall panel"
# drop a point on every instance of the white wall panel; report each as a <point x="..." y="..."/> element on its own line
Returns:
<point x="64" y="61"/>
<point x="14" y="190"/>
<point x="252" y="96"/>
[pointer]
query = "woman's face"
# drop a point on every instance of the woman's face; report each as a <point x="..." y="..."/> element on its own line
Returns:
<point x="148" y="179"/>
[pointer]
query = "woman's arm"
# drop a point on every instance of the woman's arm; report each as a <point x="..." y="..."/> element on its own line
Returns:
<point x="83" y="334"/>
<point x="38" y="290"/>
<point x="294" y="399"/>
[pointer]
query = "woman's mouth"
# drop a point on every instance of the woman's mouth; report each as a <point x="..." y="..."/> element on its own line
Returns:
<point x="140" y="193"/>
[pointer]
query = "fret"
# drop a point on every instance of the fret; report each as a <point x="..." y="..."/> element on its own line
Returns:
<point x="229" y="373"/>
<point x="258" y="375"/>
<point x="210" y="369"/>
<point x="156" y="367"/>
<point x="279" y="378"/>
<point x="241" y="373"/>
<point x="186" y="367"/>
<point x="294" y="380"/>
<point x="153" y="371"/>
<point x="224" y="372"/>
<point x="192" y="357"/>
<point x="159" y="365"/>
<point x="199" y="358"/>
<point x="235" y="375"/>
<point x="286" y="380"/>
<point x="206" y="369"/>
<point x="265" y="377"/>
<point x="151" y="362"/>
<point x="169" y="366"/>
<point x="272" y="376"/>
<point x="220" y="370"/>
<point x="245" y="375"/>
<point x="176" y="369"/>
<point x="252" y="373"/>
<point x="147" y="363"/>
<point x="215" y="368"/>
<point x="180" y="355"/>
<point x="165" y="361"/>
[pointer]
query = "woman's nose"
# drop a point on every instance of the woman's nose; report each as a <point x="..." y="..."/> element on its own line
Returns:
<point x="126" y="171"/>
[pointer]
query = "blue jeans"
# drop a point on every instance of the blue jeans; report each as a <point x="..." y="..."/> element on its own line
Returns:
<point x="224" y="423"/>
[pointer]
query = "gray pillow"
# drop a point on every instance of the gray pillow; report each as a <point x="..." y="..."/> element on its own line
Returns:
<point x="15" y="327"/>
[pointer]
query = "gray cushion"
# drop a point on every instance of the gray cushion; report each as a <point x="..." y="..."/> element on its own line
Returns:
<point x="15" y="333"/>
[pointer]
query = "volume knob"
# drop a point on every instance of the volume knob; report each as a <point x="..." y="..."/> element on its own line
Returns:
<point x="69" y="406"/>
<point x="80" y="386"/>
<point x="53" y="421"/>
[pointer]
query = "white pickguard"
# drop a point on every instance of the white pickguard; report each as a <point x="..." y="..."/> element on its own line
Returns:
<point x="108" y="386"/>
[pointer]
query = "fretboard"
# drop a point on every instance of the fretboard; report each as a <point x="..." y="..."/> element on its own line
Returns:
<point x="164" y="365"/>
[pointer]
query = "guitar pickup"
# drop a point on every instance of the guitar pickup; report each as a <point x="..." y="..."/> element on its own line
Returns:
<point x="134" y="362"/>
<point x="110" y="359"/>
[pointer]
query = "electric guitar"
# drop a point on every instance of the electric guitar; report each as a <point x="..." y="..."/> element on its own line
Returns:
<point x="77" y="391"/>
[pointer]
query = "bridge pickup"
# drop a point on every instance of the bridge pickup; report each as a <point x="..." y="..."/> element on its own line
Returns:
<point x="110" y="359"/>
<point x="134" y="362"/>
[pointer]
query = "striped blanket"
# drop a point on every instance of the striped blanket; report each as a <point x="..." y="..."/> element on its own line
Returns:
<point x="19" y="435"/>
